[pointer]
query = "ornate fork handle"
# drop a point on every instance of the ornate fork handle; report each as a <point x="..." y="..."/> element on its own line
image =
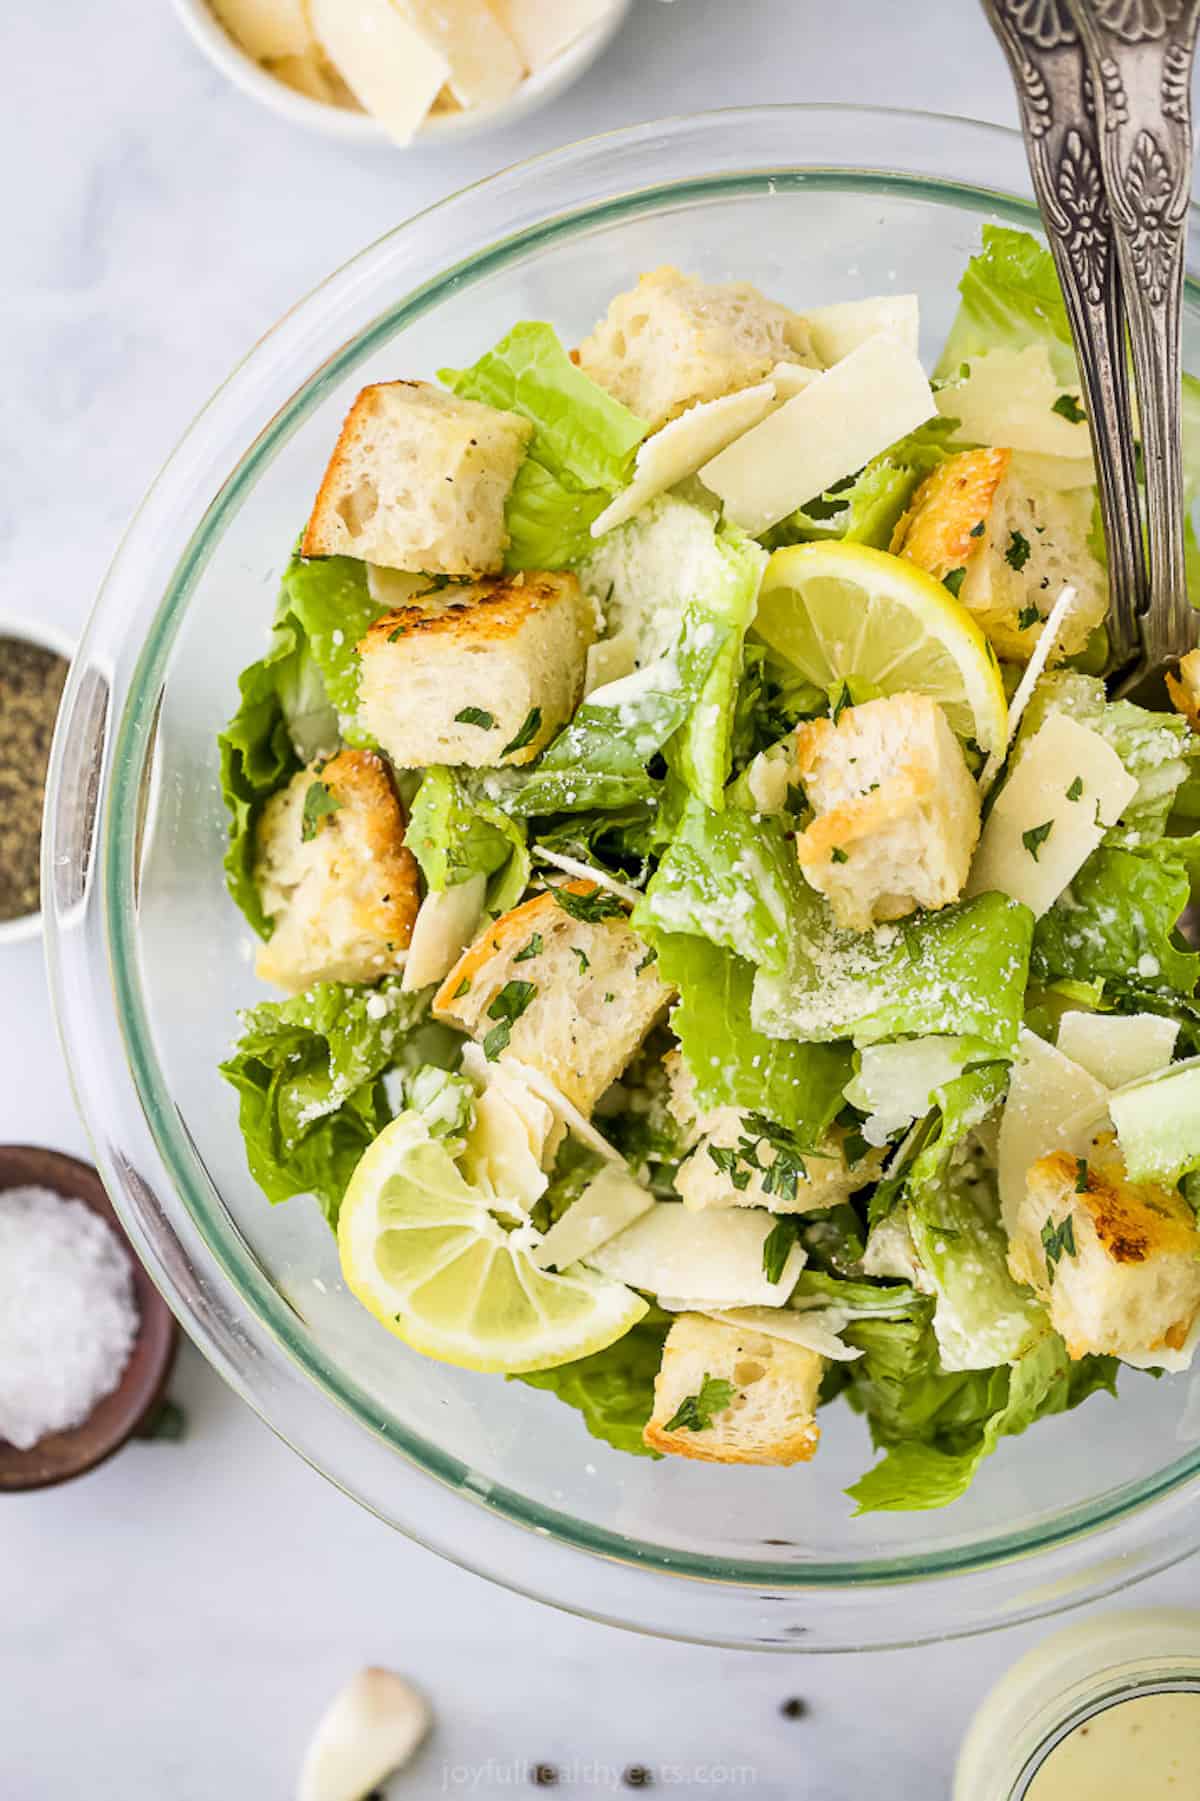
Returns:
<point x="1043" y="47"/>
<point x="1140" y="53"/>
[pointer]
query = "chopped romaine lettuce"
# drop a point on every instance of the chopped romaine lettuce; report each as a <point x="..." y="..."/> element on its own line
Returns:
<point x="309" y="1071"/>
<point x="797" y="1085"/>
<point x="614" y="1388"/>
<point x="455" y="832"/>
<point x="962" y="970"/>
<point x="1117" y="924"/>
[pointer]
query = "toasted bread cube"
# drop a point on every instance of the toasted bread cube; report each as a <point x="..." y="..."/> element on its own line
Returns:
<point x="1184" y="688"/>
<point x="587" y="993"/>
<point x="1018" y="542"/>
<point x="771" y="1417"/>
<point x="419" y="480"/>
<point x="335" y="875"/>
<point x="675" y="340"/>
<point x="1116" y="1262"/>
<point x="486" y="676"/>
<point x="700" y="1182"/>
<point x="897" y="810"/>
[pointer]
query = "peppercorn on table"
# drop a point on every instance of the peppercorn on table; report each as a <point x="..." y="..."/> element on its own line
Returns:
<point x="176" y="1622"/>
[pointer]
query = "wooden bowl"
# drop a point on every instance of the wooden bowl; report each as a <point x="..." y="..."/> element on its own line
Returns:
<point x="61" y="1455"/>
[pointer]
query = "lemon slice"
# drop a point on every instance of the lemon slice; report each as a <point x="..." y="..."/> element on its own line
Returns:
<point x="836" y="610"/>
<point x="422" y="1252"/>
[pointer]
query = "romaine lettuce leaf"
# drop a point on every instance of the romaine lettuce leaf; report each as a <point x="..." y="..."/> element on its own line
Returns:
<point x="308" y="1073"/>
<point x="1116" y="924"/>
<point x="614" y="1388"/>
<point x="962" y="970"/>
<point x="730" y="877"/>
<point x="797" y="1085"/>
<point x="296" y="702"/>
<point x="939" y="1428"/>
<point x="455" y="832"/>
<point x="580" y="452"/>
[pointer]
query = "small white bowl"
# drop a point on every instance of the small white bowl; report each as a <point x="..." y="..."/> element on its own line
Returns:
<point x="47" y="637"/>
<point x="239" y="67"/>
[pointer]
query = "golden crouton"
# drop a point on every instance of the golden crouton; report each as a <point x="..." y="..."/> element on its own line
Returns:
<point x="335" y="875"/>
<point x="764" y="1410"/>
<point x="1184" y="688"/>
<point x="419" y="480"/>
<point x="485" y="676"/>
<point x="941" y="530"/>
<point x="675" y="340"/>
<point x="897" y="810"/>
<point x="700" y="1182"/>
<point x="1116" y="1262"/>
<point x="570" y="992"/>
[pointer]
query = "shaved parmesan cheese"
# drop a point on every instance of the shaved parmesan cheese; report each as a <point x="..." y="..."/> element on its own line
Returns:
<point x="678" y="448"/>
<point x="587" y="872"/>
<point x="1118" y="1048"/>
<point x="716" y="1256"/>
<point x="1030" y="472"/>
<point x="266" y="28"/>
<point x="1048" y="642"/>
<point x="816" y="1329"/>
<point x="485" y="64"/>
<point x="1158" y="1124"/>
<point x="446" y="923"/>
<point x="609" y="660"/>
<point x="828" y="431"/>
<point x="837" y="330"/>
<point x="515" y="1132"/>
<point x="394" y="587"/>
<point x="895" y="1082"/>
<point x="386" y="62"/>
<point x="769" y="776"/>
<point x="607" y="1205"/>
<point x="1051" y="814"/>
<point x="1008" y="400"/>
<point x="790" y="379"/>
<point x="543" y="29"/>
<point x="1053" y="1105"/>
<point x="565" y="1111"/>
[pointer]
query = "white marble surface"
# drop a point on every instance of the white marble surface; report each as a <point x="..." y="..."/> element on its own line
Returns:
<point x="170" y="1626"/>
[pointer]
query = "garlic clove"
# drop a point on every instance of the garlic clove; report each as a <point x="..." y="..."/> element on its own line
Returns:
<point x="370" y="1728"/>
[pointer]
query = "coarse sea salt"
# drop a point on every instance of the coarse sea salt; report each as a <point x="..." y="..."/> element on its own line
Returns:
<point x="68" y="1319"/>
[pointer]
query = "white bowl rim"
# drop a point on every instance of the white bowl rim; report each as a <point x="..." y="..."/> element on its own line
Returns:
<point x="247" y="74"/>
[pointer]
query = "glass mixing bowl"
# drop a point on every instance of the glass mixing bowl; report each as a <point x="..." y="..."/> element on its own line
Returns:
<point x="149" y="961"/>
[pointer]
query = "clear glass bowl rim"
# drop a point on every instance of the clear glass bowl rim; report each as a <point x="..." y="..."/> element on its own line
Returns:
<point x="127" y="755"/>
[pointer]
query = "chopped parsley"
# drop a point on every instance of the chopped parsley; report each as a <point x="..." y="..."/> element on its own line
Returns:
<point x="838" y="855"/>
<point x="1036" y="836"/>
<point x="728" y="1160"/>
<point x="1067" y="407"/>
<point x="1058" y="1241"/>
<point x="777" y="1246"/>
<point x="1027" y="617"/>
<point x="584" y="963"/>
<point x="840" y="701"/>
<point x="319" y="802"/>
<point x="1075" y="791"/>
<point x="589" y="908"/>
<point x="650" y="957"/>
<point x="476" y="716"/>
<point x="397" y="631"/>
<point x="464" y="987"/>
<point x="1081" y="1175"/>
<point x="856" y="1148"/>
<point x="695" y="1413"/>
<point x="977" y="531"/>
<point x="527" y="733"/>
<point x="1018" y="552"/>
<point x="954" y="581"/>
<point x="506" y="1009"/>
<point x="531" y="948"/>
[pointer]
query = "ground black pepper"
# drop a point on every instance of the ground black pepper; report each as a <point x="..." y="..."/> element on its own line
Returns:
<point x="31" y="684"/>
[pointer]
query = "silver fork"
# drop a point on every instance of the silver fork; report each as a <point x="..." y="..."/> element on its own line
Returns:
<point x="1104" y="88"/>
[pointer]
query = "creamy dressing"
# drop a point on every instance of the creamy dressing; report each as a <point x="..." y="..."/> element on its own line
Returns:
<point x="1146" y="1749"/>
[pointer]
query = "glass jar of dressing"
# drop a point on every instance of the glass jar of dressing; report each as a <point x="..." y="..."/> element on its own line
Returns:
<point x="1108" y="1710"/>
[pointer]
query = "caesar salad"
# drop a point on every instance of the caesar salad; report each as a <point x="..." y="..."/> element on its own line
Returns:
<point x="729" y="939"/>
